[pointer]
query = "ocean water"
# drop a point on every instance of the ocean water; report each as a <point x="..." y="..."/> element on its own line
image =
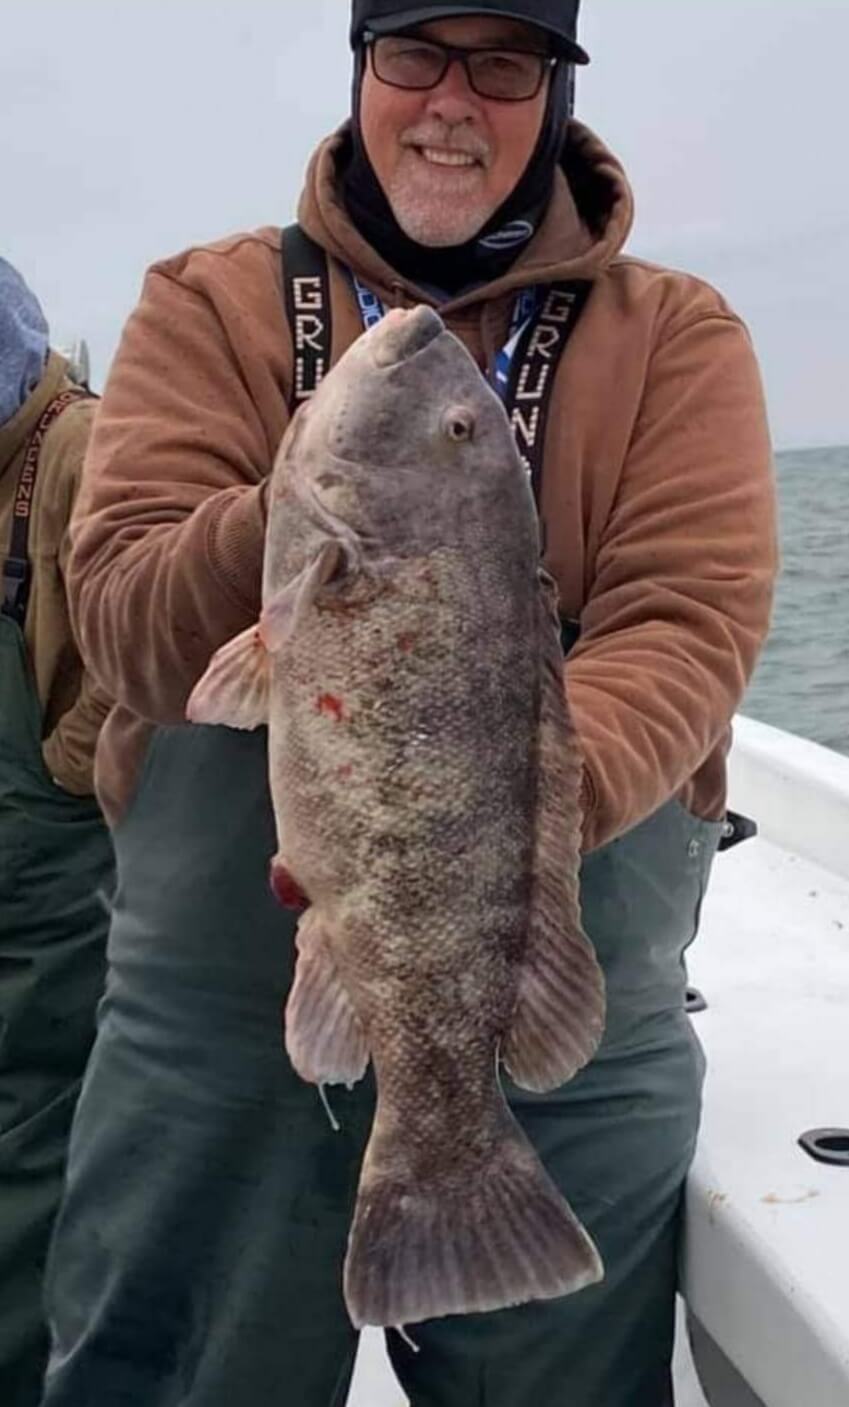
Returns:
<point x="802" y="680"/>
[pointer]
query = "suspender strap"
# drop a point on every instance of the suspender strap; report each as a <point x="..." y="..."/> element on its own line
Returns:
<point x="306" y="287"/>
<point x="17" y="568"/>
<point x="534" y="367"/>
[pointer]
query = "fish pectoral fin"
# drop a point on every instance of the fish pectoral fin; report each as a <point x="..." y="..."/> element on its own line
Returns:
<point x="560" y="1009"/>
<point x="234" y="689"/>
<point x="325" y="1039"/>
<point x="282" y="613"/>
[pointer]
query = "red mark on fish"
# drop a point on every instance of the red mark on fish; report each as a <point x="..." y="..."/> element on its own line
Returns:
<point x="333" y="706"/>
<point x="285" y="889"/>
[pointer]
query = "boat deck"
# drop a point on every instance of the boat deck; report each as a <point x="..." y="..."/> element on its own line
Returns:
<point x="765" y="1262"/>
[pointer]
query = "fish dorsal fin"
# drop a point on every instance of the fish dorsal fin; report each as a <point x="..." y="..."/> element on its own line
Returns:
<point x="559" y="1015"/>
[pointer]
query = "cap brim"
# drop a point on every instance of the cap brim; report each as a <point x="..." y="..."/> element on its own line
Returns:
<point x="420" y="14"/>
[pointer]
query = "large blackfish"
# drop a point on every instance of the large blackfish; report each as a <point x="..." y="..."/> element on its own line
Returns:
<point x="425" y="781"/>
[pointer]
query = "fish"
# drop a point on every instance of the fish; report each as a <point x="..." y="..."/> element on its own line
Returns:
<point x="425" y="778"/>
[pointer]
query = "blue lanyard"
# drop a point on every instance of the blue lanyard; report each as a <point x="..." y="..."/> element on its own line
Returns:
<point x="527" y="302"/>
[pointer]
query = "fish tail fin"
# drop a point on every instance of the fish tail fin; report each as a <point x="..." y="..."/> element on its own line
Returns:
<point x="462" y="1243"/>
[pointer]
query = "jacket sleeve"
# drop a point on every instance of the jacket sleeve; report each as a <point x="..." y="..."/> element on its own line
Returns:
<point x="682" y="591"/>
<point x="70" y="749"/>
<point x="167" y="548"/>
<point x="70" y="746"/>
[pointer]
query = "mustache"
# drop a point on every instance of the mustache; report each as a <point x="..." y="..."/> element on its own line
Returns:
<point x="449" y="139"/>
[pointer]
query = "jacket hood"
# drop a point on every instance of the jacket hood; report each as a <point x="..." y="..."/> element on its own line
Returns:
<point x="18" y="429"/>
<point x="24" y="341"/>
<point x="586" y="225"/>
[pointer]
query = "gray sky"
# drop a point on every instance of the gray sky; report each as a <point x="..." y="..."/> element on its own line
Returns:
<point x="132" y="128"/>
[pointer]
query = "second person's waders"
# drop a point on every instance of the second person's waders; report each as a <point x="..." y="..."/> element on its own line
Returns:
<point x="55" y="871"/>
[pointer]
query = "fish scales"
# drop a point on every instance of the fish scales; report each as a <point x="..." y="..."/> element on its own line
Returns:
<point x="425" y="783"/>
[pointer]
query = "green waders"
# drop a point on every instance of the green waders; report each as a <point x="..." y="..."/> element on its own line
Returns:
<point x="197" y="1258"/>
<point x="55" y="868"/>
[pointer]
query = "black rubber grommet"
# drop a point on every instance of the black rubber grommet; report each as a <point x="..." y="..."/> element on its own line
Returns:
<point x="827" y="1146"/>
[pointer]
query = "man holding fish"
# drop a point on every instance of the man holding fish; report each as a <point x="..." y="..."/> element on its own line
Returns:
<point x="494" y="857"/>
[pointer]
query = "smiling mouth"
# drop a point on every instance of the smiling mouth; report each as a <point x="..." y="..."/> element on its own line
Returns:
<point x="441" y="156"/>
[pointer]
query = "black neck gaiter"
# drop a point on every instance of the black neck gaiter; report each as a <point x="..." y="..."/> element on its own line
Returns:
<point x="495" y="247"/>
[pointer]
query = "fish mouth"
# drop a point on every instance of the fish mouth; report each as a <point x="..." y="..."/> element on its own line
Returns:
<point x="404" y="333"/>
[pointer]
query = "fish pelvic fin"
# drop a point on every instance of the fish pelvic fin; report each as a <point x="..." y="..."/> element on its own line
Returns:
<point x="463" y="1244"/>
<point x="234" y="689"/>
<point x="325" y="1039"/>
<point x="559" y="1016"/>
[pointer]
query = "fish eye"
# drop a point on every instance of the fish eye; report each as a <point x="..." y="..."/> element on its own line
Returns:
<point x="458" y="424"/>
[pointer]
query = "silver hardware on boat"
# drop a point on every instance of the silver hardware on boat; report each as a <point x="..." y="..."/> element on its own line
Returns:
<point x="827" y="1146"/>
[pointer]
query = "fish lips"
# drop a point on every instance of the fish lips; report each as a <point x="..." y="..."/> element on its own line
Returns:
<point x="403" y="333"/>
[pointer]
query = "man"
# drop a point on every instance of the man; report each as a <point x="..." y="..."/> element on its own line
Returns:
<point x="55" y="852"/>
<point x="199" y="1250"/>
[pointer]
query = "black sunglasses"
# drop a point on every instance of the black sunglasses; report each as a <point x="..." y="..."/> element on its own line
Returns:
<point x="506" y="75"/>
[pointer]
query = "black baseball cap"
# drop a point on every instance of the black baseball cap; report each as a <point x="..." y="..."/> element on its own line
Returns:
<point x="558" y="17"/>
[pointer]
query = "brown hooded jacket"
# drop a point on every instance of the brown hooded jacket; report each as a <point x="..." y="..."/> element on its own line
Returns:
<point x="71" y="710"/>
<point x="658" y="496"/>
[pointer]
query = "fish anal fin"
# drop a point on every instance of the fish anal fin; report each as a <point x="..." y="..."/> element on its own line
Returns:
<point x="560" y="1008"/>
<point x="325" y="1039"/>
<point x="234" y="689"/>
